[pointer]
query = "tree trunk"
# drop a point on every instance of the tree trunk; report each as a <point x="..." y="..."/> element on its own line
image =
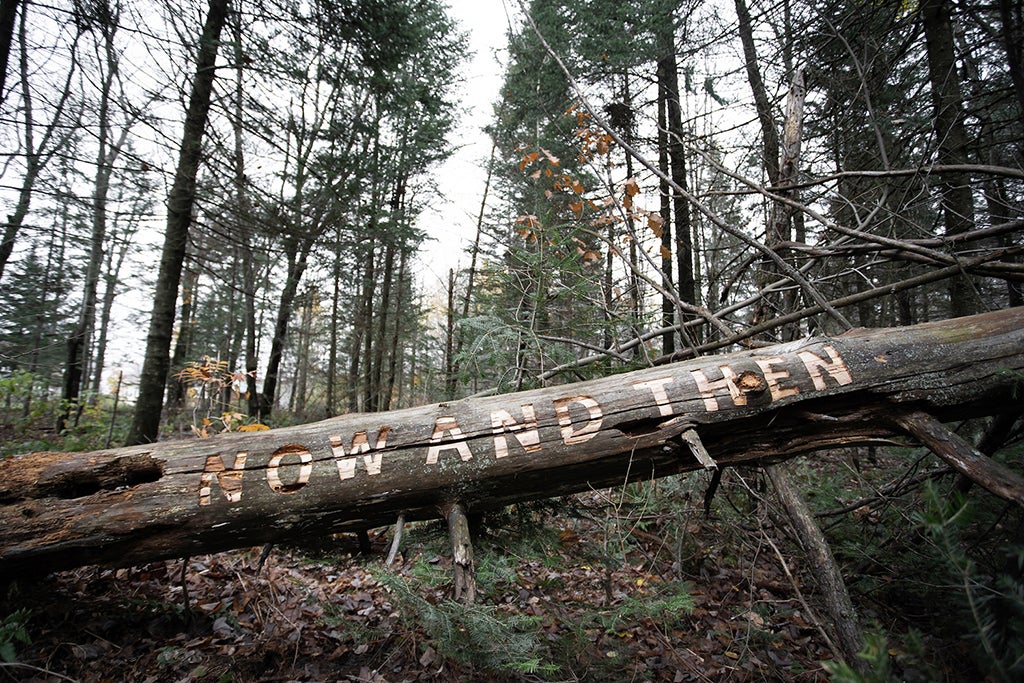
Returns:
<point x="951" y="136"/>
<point x="366" y="327"/>
<point x="297" y="250"/>
<point x="77" y="361"/>
<point x="394" y="352"/>
<point x="251" y="338"/>
<point x="769" y="132"/>
<point x="8" y="13"/>
<point x="173" y="499"/>
<point x="362" y="301"/>
<point x="668" y="307"/>
<point x="779" y="227"/>
<point x="146" y="421"/>
<point x="843" y="623"/>
<point x="1012" y="33"/>
<point x="332" y="352"/>
<point x="309" y="301"/>
<point x="183" y="344"/>
<point x="37" y="155"/>
<point x="449" y="340"/>
<point x="380" y="343"/>
<point x="682" y="245"/>
<point x="111" y="279"/>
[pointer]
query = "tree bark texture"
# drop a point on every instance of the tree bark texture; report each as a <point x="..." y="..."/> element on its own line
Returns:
<point x="8" y="13"/>
<point x="951" y="136"/>
<point x="180" y="200"/>
<point x="462" y="554"/>
<point x="172" y="499"/>
<point x="843" y="618"/>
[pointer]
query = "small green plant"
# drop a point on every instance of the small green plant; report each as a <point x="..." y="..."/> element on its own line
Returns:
<point x="994" y="600"/>
<point x="12" y="631"/>
<point x="664" y="606"/>
<point x="478" y="637"/>
<point x="878" y="665"/>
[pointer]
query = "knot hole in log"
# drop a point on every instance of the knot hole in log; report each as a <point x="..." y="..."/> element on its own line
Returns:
<point x="124" y="472"/>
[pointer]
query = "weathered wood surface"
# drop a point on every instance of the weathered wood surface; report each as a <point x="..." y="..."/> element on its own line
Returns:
<point x="130" y="505"/>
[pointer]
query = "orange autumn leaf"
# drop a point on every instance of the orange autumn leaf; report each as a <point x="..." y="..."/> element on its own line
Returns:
<point x="528" y="159"/>
<point x="632" y="187"/>
<point x="656" y="223"/>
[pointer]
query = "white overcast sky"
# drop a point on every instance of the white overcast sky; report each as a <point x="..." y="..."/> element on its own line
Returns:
<point x="450" y="223"/>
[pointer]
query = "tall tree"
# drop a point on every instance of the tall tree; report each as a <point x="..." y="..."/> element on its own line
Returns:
<point x="950" y="136"/>
<point x="39" y="151"/>
<point x="105" y="20"/>
<point x="8" y="14"/>
<point x="146" y="420"/>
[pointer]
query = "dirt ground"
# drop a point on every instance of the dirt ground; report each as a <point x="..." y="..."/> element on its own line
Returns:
<point x="602" y="592"/>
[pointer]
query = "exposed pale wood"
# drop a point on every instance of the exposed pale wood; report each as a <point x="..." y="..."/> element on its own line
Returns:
<point x="962" y="456"/>
<point x="396" y="542"/>
<point x="172" y="499"/>
<point x="692" y="439"/>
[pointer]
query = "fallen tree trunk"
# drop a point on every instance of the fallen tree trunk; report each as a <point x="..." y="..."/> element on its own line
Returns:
<point x="131" y="505"/>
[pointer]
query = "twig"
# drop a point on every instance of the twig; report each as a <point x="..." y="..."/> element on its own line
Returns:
<point x="719" y="222"/>
<point x="19" y="665"/>
<point x="800" y="596"/>
<point x="113" y="412"/>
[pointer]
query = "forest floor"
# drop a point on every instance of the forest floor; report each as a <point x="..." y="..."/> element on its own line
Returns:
<point x="631" y="584"/>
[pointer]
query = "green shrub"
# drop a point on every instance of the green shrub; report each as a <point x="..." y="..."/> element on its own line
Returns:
<point x="481" y="638"/>
<point x="12" y="631"/>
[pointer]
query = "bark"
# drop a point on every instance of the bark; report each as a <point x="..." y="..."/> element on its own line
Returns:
<point x="251" y="338"/>
<point x="332" y="353"/>
<point x="8" y="13"/>
<point x="843" y="617"/>
<point x="391" y="377"/>
<point x="682" y="230"/>
<point x="633" y="270"/>
<point x="181" y="199"/>
<point x="1012" y="33"/>
<point x="78" y="357"/>
<point x="297" y="250"/>
<point x="183" y="344"/>
<point x="668" y="344"/>
<point x="38" y="154"/>
<point x="380" y="342"/>
<point x="450" y="378"/>
<point x="309" y="301"/>
<point x="962" y="456"/>
<point x="111" y="281"/>
<point x="765" y="117"/>
<point x="779" y="226"/>
<point x="242" y="224"/>
<point x="951" y="134"/>
<point x="172" y="499"/>
<point x="396" y="542"/>
<point x="363" y="303"/>
<point x="463" y="565"/>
